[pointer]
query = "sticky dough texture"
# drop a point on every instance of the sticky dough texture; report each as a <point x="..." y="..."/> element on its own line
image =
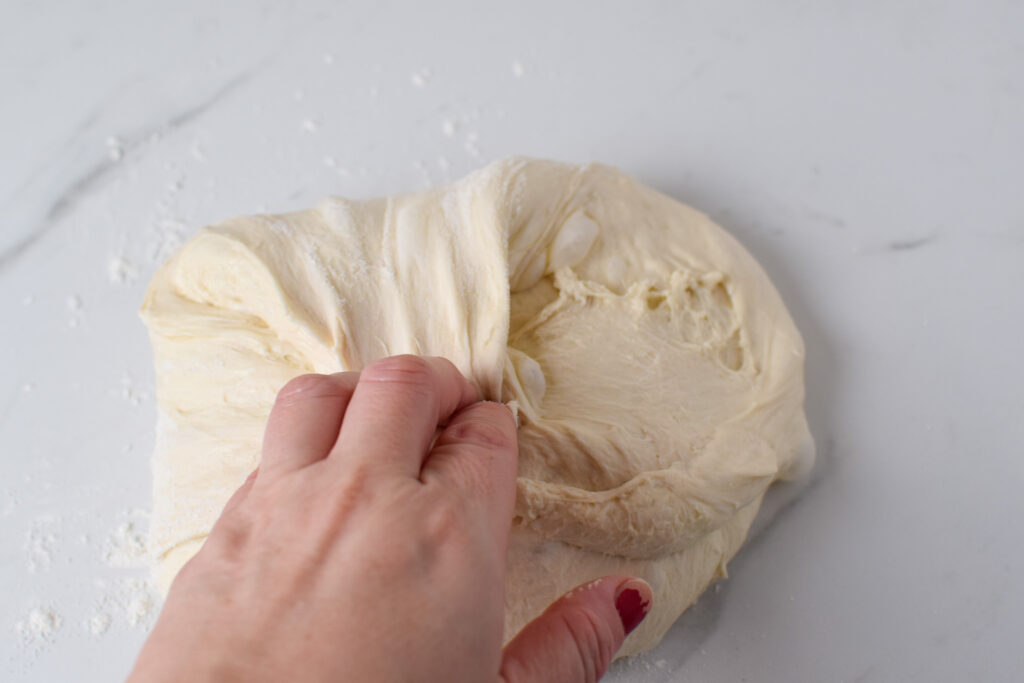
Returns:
<point x="657" y="376"/>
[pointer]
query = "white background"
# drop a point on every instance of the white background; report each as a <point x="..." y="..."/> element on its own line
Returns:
<point x="869" y="155"/>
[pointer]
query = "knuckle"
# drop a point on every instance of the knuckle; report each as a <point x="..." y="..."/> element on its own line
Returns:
<point x="343" y="496"/>
<point x="308" y="386"/>
<point x="468" y="471"/>
<point x="513" y="669"/>
<point x="482" y="432"/>
<point x="406" y="369"/>
<point x="358" y="480"/>
<point x="230" y="535"/>
<point x="444" y="520"/>
<point x="592" y="638"/>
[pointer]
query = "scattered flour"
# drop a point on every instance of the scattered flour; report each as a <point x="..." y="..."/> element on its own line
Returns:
<point x="117" y="603"/>
<point x="121" y="271"/>
<point x="125" y="547"/>
<point x="140" y="601"/>
<point x="10" y="502"/>
<point x="76" y="310"/>
<point x="36" y="631"/>
<point x="42" y="536"/>
<point x="39" y="625"/>
<point x="98" y="624"/>
<point x="115" y="148"/>
<point x="132" y="602"/>
<point x="331" y="162"/>
<point x="168" y="236"/>
<point x="472" y="144"/>
<point x="126" y="544"/>
<point x="421" y="77"/>
<point x="424" y="173"/>
<point x="197" y="152"/>
<point x="131" y="393"/>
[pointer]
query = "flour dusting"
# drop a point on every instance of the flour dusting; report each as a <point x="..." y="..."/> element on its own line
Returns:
<point x="40" y="624"/>
<point x="132" y="393"/>
<point x="126" y="545"/>
<point x="98" y="624"/>
<point x="472" y="144"/>
<point x="76" y="310"/>
<point x="421" y="77"/>
<point x="140" y="601"/>
<point x="40" y="540"/>
<point x="121" y="270"/>
<point x="115" y="148"/>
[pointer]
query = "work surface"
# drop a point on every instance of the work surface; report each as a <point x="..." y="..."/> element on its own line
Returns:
<point x="868" y="154"/>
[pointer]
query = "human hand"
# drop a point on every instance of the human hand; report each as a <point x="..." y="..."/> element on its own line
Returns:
<point x="361" y="551"/>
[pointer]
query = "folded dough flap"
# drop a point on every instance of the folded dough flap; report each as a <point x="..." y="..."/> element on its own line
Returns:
<point x="659" y="374"/>
<point x="251" y="302"/>
<point x="350" y="282"/>
<point x="658" y="512"/>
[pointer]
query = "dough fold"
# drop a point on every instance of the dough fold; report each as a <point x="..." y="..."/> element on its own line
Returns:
<point x="656" y="374"/>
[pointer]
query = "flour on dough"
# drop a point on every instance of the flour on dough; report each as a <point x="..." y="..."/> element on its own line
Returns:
<point x="657" y="375"/>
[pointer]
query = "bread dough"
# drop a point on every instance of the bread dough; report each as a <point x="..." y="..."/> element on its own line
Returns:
<point x="657" y="375"/>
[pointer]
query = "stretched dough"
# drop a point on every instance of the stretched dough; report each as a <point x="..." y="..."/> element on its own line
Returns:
<point x="657" y="375"/>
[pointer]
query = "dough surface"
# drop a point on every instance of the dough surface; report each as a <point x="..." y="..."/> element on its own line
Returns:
<point x="657" y="375"/>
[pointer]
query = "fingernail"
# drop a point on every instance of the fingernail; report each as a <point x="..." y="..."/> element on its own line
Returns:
<point x="633" y="602"/>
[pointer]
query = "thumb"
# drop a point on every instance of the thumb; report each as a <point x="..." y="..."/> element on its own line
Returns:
<point x="575" y="638"/>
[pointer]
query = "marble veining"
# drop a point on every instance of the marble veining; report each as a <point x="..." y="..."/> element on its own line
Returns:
<point x="66" y="198"/>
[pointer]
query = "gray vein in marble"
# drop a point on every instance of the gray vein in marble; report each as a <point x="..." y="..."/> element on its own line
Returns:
<point x="898" y="246"/>
<point x="194" y="112"/>
<point x="79" y="132"/>
<point x="862" y="677"/>
<point x="823" y="217"/>
<point x="88" y="180"/>
<point x="907" y="245"/>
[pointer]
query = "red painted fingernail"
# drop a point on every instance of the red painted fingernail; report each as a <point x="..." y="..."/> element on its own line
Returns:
<point x="632" y="607"/>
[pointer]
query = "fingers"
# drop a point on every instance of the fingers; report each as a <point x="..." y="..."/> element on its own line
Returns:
<point x="395" y="410"/>
<point x="474" y="458"/>
<point x="304" y="422"/>
<point x="241" y="492"/>
<point x="575" y="638"/>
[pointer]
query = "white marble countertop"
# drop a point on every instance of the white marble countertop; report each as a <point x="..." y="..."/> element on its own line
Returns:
<point x="871" y="155"/>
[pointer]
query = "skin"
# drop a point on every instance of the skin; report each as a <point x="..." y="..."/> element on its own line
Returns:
<point x="362" y="549"/>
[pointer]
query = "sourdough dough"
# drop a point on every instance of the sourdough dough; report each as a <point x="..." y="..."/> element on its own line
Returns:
<point x="657" y="375"/>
